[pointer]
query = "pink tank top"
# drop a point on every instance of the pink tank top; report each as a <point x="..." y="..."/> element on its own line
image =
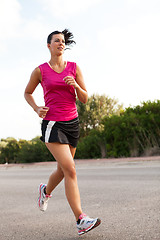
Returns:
<point x="58" y="96"/>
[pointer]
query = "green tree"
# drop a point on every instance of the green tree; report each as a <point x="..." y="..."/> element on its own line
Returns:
<point x="34" y="151"/>
<point x="92" y="113"/>
<point x="91" y="117"/>
<point x="10" y="151"/>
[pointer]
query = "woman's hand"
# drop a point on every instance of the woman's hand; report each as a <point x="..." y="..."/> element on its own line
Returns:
<point x="71" y="81"/>
<point x="41" y="111"/>
<point x="78" y="84"/>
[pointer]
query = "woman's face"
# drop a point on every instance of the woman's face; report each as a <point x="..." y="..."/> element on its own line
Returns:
<point x="57" y="44"/>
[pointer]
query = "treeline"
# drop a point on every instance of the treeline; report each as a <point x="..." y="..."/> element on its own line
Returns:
<point x="23" y="151"/>
<point x="106" y="130"/>
<point x="133" y="132"/>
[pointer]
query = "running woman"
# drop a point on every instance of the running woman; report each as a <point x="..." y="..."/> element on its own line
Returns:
<point x="61" y="81"/>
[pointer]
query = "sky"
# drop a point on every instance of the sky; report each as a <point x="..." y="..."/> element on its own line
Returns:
<point x="117" y="48"/>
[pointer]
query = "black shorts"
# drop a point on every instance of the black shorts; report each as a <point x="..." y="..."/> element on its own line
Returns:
<point x="66" y="132"/>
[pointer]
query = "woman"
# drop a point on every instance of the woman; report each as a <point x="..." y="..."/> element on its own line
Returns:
<point x="60" y="126"/>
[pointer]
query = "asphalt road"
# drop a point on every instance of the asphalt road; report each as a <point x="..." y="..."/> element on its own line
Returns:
<point x="125" y="194"/>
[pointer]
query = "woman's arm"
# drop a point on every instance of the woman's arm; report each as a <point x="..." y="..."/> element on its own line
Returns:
<point x="31" y="86"/>
<point x="78" y="84"/>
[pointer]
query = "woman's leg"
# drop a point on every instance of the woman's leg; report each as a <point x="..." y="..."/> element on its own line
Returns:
<point x="57" y="176"/>
<point x="63" y="155"/>
<point x="73" y="150"/>
<point x="54" y="179"/>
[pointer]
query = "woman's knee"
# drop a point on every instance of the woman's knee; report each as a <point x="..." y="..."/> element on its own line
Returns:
<point x="70" y="170"/>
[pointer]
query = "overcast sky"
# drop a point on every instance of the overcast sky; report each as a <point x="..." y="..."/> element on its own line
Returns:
<point x="118" y="51"/>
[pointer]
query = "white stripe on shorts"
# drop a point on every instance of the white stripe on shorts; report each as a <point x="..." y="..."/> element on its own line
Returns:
<point x="48" y="130"/>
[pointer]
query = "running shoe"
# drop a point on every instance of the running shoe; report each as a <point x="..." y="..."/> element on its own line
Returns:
<point x="43" y="198"/>
<point x="86" y="224"/>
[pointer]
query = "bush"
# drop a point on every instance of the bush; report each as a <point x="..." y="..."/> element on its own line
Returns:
<point x="136" y="132"/>
<point x="34" y="151"/>
<point x="23" y="151"/>
<point x="9" y="150"/>
<point x="88" y="147"/>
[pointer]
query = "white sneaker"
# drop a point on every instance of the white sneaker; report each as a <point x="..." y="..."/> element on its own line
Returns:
<point x="86" y="224"/>
<point x="43" y="198"/>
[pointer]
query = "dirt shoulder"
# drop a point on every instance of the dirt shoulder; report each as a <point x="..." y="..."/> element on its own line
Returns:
<point x="84" y="161"/>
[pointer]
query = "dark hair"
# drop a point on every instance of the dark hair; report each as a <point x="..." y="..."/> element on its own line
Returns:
<point x="68" y="37"/>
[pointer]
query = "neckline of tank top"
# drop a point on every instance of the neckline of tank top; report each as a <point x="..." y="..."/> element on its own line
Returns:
<point x="55" y="71"/>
